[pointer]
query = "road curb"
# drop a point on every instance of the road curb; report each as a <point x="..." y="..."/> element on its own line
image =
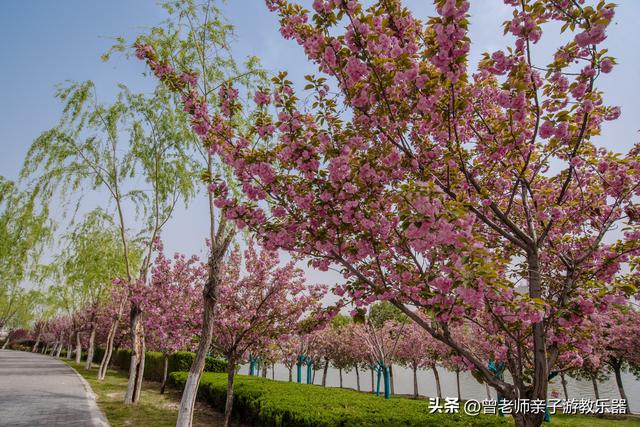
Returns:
<point x="98" y="418"/>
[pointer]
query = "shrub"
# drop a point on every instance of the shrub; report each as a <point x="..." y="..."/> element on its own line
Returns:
<point x="265" y="402"/>
<point x="154" y="362"/>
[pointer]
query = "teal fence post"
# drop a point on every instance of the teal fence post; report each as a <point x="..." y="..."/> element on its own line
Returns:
<point x="387" y="383"/>
<point x="299" y="369"/>
<point x="309" y="373"/>
<point x="252" y="365"/>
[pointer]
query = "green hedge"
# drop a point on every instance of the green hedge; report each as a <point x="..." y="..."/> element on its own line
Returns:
<point x="154" y="362"/>
<point x="261" y="401"/>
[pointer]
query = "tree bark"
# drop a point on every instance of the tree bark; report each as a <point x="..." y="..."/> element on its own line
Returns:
<point x="563" y="381"/>
<point x="437" y="377"/>
<point x="108" y="350"/>
<point x="91" y="349"/>
<point x="35" y="346"/>
<point x="164" y="372"/>
<point x="325" y="368"/>
<point x="53" y="349"/>
<point x="136" y="368"/>
<point x="340" y="370"/>
<point x="273" y="371"/>
<point x="373" y="385"/>
<point x="264" y="370"/>
<point x="59" y="349"/>
<point x="415" y="381"/>
<point x="393" y="390"/>
<point x="6" y="343"/>
<point x="228" y="406"/>
<point x="357" y="378"/>
<point x="290" y="374"/>
<point x="78" y="348"/>
<point x="486" y="386"/>
<point x="69" y="349"/>
<point x="458" y="384"/>
<point x="623" y="395"/>
<point x="594" y="381"/>
<point x="185" y="412"/>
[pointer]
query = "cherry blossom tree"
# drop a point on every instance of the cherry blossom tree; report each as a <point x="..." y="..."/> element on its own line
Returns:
<point x="446" y="186"/>
<point x="258" y="307"/>
<point x="172" y="303"/>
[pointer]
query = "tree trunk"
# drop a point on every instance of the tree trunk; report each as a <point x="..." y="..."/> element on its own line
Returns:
<point x="136" y="368"/>
<point x="563" y="381"/>
<point x="623" y="395"/>
<point x="45" y="348"/>
<point x="78" y="348"/>
<point x="69" y="349"/>
<point x="340" y="369"/>
<point x="486" y="386"/>
<point x="357" y="378"/>
<point x="324" y="372"/>
<point x="540" y="371"/>
<point x="437" y="377"/>
<point x="228" y="406"/>
<point x="273" y="371"/>
<point x="53" y="349"/>
<point x="594" y="381"/>
<point x="264" y="370"/>
<point x="6" y="343"/>
<point x="59" y="350"/>
<point x="458" y="384"/>
<point x="393" y="390"/>
<point x="373" y="385"/>
<point x="290" y="374"/>
<point x="415" y="381"/>
<point x="35" y="346"/>
<point x="164" y="372"/>
<point x="91" y="349"/>
<point x="111" y="336"/>
<point x="185" y="412"/>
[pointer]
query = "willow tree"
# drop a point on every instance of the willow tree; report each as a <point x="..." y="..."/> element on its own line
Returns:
<point x="138" y="150"/>
<point x="89" y="261"/>
<point x="24" y="229"/>
<point x="196" y="38"/>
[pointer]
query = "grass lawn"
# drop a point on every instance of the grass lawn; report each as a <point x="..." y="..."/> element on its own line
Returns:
<point x="153" y="409"/>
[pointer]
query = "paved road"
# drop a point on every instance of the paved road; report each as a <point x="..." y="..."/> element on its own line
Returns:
<point x="38" y="390"/>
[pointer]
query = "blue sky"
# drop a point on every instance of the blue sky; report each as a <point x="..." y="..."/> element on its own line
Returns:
<point x="48" y="42"/>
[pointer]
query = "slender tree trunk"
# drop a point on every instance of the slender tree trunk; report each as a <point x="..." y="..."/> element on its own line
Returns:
<point x="264" y="370"/>
<point x="458" y="384"/>
<point x="623" y="395"/>
<point x="91" y="349"/>
<point x="53" y="348"/>
<point x="313" y="376"/>
<point x="340" y="369"/>
<point x="540" y="368"/>
<point x="273" y="371"/>
<point x="437" y="377"/>
<point x="6" y="343"/>
<point x="325" y="368"/>
<point x="164" y="372"/>
<point x="185" y="412"/>
<point x="486" y="386"/>
<point x="415" y="381"/>
<point x="594" y="381"/>
<point x="69" y="349"/>
<point x="228" y="406"/>
<point x="563" y="381"/>
<point x="59" y="349"/>
<point x="291" y="374"/>
<point x="78" y="348"/>
<point x="35" y="346"/>
<point x="373" y="386"/>
<point x="111" y="336"/>
<point x="393" y="390"/>
<point x="136" y="368"/>
<point x="45" y="348"/>
<point x="357" y="378"/>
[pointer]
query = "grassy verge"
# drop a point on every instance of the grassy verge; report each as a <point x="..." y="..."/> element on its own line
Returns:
<point x="265" y="402"/>
<point x="153" y="409"/>
<point x="290" y="404"/>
